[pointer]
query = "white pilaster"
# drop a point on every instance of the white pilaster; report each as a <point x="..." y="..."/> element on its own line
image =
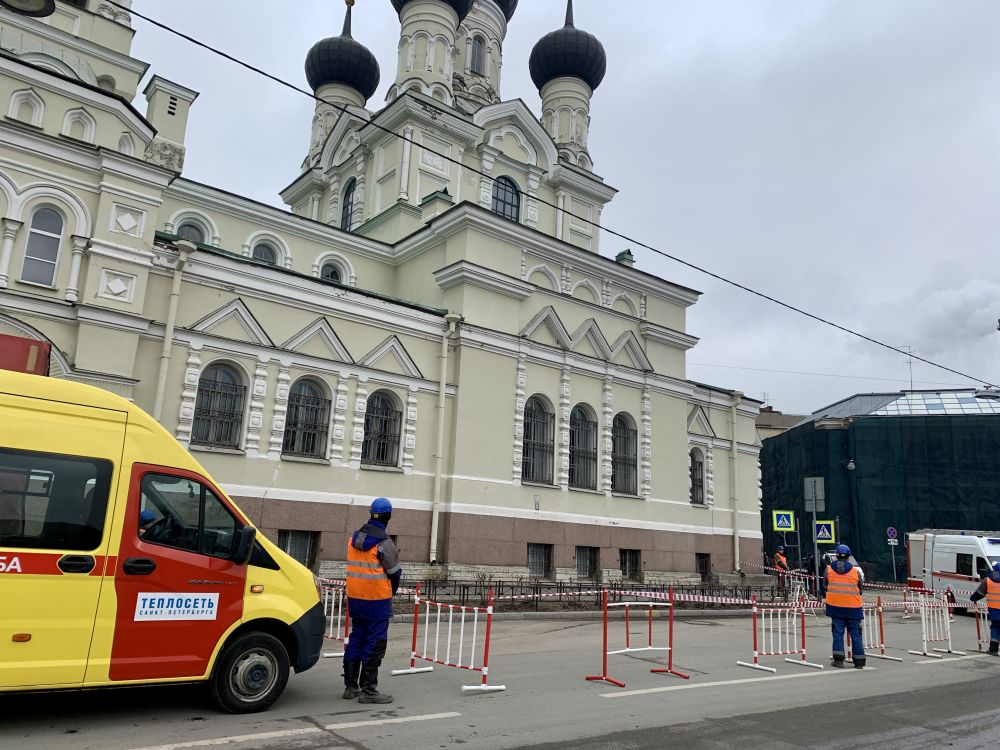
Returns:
<point x="255" y="421"/>
<point x="607" y="404"/>
<point x="520" y="384"/>
<point x="73" y="287"/>
<point x="279" y="418"/>
<point x="565" y="406"/>
<point x="358" y="434"/>
<point x="189" y="395"/>
<point x="339" y="431"/>
<point x="10" y="229"/>
<point x="410" y="431"/>
<point x="404" y="169"/>
<point x="646" y="449"/>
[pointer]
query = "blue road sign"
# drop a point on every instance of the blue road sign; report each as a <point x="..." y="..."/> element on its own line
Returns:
<point x="825" y="533"/>
<point x="891" y="532"/>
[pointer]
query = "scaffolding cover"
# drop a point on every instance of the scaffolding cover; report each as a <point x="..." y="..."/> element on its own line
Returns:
<point x="909" y="472"/>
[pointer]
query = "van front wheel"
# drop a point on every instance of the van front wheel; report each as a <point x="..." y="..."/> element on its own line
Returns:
<point x="251" y="673"/>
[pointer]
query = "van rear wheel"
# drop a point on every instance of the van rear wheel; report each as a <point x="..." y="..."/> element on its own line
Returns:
<point x="251" y="673"/>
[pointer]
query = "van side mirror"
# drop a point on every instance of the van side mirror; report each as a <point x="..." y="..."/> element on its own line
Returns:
<point x="243" y="546"/>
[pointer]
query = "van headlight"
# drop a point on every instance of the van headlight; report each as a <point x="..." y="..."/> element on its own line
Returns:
<point x="318" y="582"/>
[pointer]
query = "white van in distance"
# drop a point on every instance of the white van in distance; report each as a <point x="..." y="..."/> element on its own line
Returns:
<point x="946" y="558"/>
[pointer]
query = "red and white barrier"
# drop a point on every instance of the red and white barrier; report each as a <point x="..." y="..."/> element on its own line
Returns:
<point x="649" y="606"/>
<point x="338" y="619"/>
<point x="982" y="628"/>
<point x="453" y="617"/>
<point x="935" y="626"/>
<point x="873" y="633"/>
<point x="782" y="633"/>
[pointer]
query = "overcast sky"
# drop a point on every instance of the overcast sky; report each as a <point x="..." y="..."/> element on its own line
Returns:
<point x="841" y="155"/>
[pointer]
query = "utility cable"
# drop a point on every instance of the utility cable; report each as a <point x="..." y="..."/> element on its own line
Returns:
<point x="543" y="201"/>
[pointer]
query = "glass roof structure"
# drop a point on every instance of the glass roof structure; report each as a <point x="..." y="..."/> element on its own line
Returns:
<point x="907" y="404"/>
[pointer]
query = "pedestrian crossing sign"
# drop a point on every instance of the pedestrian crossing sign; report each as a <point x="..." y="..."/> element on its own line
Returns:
<point x="825" y="533"/>
<point x="783" y="520"/>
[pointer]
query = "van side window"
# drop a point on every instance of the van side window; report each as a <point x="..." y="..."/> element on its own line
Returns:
<point x="982" y="567"/>
<point x="49" y="501"/>
<point x="963" y="566"/>
<point x="187" y="515"/>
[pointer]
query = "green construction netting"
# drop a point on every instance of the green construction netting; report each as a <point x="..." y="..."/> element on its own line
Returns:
<point x="910" y="472"/>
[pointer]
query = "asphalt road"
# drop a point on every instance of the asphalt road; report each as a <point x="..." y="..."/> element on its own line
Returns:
<point x="919" y="703"/>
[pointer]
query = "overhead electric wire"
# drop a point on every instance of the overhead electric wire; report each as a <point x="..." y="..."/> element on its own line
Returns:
<point x="826" y="374"/>
<point x="596" y="225"/>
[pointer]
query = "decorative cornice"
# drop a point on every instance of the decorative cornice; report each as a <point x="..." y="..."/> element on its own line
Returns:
<point x="464" y="272"/>
<point x="668" y="336"/>
<point x="415" y="106"/>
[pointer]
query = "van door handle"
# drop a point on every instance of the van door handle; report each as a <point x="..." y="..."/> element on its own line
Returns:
<point x="76" y="563"/>
<point x="139" y="566"/>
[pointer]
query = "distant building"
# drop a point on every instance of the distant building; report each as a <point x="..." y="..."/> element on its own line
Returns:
<point x="771" y="422"/>
<point x="907" y="460"/>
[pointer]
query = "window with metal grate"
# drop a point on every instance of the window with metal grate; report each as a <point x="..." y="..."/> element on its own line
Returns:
<point x="218" y="411"/>
<point x="537" y="450"/>
<point x="307" y="421"/>
<point x="382" y="430"/>
<point x="582" y="450"/>
<point x="624" y="452"/>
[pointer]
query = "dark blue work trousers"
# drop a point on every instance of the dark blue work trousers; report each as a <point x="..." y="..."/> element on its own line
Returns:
<point x="839" y="625"/>
<point x="366" y="641"/>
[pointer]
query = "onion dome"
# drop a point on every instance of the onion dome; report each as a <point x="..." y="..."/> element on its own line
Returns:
<point x="568" y="52"/>
<point x="507" y="7"/>
<point x="341" y="59"/>
<point x="462" y="7"/>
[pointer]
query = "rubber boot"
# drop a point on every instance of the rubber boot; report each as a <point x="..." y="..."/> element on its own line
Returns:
<point x="352" y="671"/>
<point x="369" y="686"/>
<point x="994" y="648"/>
<point x="859" y="662"/>
<point x="838" y="661"/>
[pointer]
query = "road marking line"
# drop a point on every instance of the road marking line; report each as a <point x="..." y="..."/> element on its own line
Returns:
<point x="744" y="681"/>
<point x="946" y="659"/>
<point x="235" y="739"/>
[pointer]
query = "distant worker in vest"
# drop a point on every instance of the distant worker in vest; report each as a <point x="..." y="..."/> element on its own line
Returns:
<point x="373" y="574"/>
<point x="989" y="589"/>
<point x="843" y="582"/>
<point x="781" y="565"/>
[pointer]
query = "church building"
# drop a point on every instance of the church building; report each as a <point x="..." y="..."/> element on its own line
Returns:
<point x="432" y="319"/>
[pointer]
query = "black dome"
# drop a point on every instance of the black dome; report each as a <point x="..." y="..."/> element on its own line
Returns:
<point x="508" y="7"/>
<point x="341" y="59"/>
<point x="568" y="52"/>
<point x="462" y="7"/>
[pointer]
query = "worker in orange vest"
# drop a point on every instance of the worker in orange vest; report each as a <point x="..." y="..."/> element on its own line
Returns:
<point x="989" y="589"/>
<point x="842" y="582"/>
<point x="373" y="574"/>
<point x="781" y="564"/>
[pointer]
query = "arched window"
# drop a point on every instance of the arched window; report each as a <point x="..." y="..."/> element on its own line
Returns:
<point x="539" y="437"/>
<point x="383" y="421"/>
<point x="307" y="421"/>
<point x="41" y="254"/>
<point x="347" y="205"/>
<point x="582" y="449"/>
<point x="265" y="253"/>
<point x="191" y="232"/>
<point x="506" y="198"/>
<point x="330" y="272"/>
<point x="218" y="411"/>
<point x="478" y="62"/>
<point x="624" y="443"/>
<point x="697" y="476"/>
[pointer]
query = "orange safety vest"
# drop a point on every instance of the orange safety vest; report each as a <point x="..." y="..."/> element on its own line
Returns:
<point x="780" y="561"/>
<point x="365" y="575"/>
<point x="842" y="589"/>
<point x="992" y="594"/>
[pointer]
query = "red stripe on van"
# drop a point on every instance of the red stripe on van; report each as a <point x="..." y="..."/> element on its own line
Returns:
<point x="47" y="563"/>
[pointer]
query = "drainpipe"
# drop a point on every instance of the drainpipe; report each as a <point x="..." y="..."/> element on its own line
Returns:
<point x="184" y="249"/>
<point x="452" y="319"/>
<point x="733" y="479"/>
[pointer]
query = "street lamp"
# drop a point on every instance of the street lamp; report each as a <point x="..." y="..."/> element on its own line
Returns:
<point x="37" y="8"/>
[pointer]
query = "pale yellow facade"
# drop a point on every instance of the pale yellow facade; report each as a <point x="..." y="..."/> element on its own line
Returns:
<point x="461" y="318"/>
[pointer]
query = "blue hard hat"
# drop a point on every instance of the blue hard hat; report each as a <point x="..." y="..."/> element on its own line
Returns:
<point x="996" y="567"/>
<point x="381" y="505"/>
<point x="146" y="517"/>
<point x="843" y="549"/>
<point x="781" y="548"/>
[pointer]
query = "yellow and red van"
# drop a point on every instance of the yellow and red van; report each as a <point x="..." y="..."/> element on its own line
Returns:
<point x="122" y="562"/>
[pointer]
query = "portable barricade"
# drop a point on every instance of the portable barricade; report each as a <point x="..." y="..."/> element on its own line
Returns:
<point x="782" y="632"/>
<point x="629" y="648"/>
<point x="873" y="633"/>
<point x="338" y="618"/>
<point x="935" y="626"/>
<point x="982" y="628"/>
<point x="464" y="619"/>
